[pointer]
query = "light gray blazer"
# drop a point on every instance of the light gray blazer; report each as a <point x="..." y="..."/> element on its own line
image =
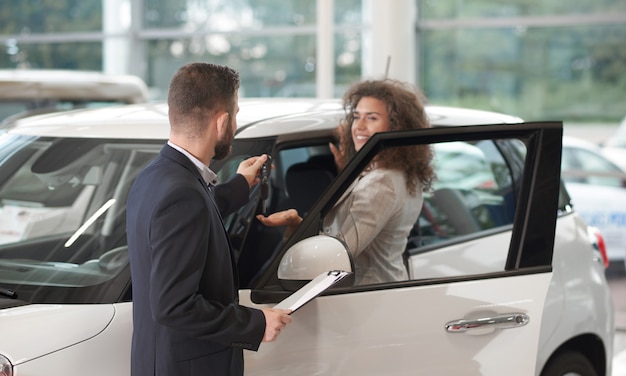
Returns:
<point x="374" y="218"/>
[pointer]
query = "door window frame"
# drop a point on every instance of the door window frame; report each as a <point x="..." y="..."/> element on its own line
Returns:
<point x="532" y="239"/>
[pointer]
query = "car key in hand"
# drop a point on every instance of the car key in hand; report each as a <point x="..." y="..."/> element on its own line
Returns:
<point x="266" y="169"/>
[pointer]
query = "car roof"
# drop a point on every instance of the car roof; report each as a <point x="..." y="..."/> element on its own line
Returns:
<point x="38" y="84"/>
<point x="258" y="117"/>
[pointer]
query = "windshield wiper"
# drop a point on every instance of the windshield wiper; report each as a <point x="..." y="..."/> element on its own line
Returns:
<point x="8" y="293"/>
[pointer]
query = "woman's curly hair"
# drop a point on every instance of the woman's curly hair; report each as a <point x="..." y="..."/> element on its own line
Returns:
<point x="406" y="111"/>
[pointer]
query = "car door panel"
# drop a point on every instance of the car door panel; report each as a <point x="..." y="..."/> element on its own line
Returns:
<point x="402" y="331"/>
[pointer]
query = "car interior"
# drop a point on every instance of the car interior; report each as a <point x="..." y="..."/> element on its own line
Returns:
<point x="468" y="199"/>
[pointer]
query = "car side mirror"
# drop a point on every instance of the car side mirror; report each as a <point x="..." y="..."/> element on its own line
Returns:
<point x="312" y="256"/>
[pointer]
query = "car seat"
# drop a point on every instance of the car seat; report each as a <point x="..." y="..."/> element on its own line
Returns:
<point x="306" y="181"/>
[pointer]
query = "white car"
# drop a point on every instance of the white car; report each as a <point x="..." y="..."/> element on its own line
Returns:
<point x="598" y="190"/>
<point x="30" y="91"/>
<point x="505" y="278"/>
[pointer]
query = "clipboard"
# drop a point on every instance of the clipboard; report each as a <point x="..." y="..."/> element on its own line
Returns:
<point x="311" y="290"/>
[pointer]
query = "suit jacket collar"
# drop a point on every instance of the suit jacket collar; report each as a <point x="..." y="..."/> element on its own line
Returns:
<point x="178" y="157"/>
<point x="170" y="153"/>
<point x="209" y="176"/>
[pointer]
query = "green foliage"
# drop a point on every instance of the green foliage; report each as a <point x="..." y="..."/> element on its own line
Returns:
<point x="46" y="16"/>
<point x="564" y="72"/>
<point x="27" y="17"/>
<point x="438" y="9"/>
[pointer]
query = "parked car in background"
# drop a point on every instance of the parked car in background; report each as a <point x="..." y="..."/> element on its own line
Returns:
<point x="28" y="91"/>
<point x="505" y="277"/>
<point x="615" y="147"/>
<point x="598" y="190"/>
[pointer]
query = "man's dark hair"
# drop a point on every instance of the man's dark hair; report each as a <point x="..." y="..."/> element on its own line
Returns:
<point x="197" y="92"/>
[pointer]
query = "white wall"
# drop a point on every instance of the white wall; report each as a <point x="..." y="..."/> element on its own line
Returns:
<point x="391" y="36"/>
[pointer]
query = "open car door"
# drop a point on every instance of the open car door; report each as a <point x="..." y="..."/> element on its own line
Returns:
<point x="479" y="261"/>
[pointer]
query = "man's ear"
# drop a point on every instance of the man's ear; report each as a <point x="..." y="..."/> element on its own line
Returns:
<point x="222" y="123"/>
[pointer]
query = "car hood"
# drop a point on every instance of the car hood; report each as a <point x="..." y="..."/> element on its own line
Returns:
<point x="39" y="329"/>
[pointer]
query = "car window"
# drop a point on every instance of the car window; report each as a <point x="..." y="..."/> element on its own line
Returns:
<point x="301" y="171"/>
<point x="618" y="139"/>
<point x="62" y="214"/>
<point x="473" y="195"/>
<point x="472" y="192"/>
<point x="584" y="166"/>
<point x="306" y="172"/>
<point x="472" y="204"/>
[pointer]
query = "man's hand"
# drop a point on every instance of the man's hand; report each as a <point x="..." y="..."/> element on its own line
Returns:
<point x="275" y="321"/>
<point x="250" y="169"/>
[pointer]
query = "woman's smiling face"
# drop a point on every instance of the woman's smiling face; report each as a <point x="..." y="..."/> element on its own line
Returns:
<point x="370" y="116"/>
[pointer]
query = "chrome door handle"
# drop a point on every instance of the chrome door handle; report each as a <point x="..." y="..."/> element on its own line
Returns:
<point x="505" y="321"/>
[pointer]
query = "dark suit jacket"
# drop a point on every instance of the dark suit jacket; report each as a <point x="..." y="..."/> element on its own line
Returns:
<point x="186" y="320"/>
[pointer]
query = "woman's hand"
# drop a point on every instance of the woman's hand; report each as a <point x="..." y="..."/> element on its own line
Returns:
<point x="338" y="153"/>
<point x="289" y="218"/>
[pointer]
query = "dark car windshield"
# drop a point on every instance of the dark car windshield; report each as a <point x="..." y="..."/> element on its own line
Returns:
<point x="62" y="216"/>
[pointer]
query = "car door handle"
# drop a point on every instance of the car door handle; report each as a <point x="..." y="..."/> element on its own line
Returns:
<point x="486" y="325"/>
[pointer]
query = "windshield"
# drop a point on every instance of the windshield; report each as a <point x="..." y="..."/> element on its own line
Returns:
<point x="618" y="139"/>
<point x="16" y="108"/>
<point x="62" y="216"/>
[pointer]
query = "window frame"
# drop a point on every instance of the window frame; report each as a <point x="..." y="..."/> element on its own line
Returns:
<point x="532" y="238"/>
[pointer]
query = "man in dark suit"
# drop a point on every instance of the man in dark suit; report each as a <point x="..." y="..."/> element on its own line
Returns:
<point x="186" y="316"/>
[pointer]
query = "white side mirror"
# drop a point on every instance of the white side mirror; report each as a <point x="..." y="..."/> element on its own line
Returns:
<point x="310" y="257"/>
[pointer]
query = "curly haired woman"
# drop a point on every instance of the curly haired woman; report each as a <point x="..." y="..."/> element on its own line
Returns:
<point x="376" y="214"/>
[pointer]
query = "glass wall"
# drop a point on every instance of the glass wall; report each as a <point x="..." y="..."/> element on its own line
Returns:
<point x="272" y="43"/>
<point x="269" y="66"/>
<point x="535" y="59"/>
<point x="218" y="15"/>
<point x="26" y="17"/>
<point x="493" y="9"/>
<point x="538" y="59"/>
<point x="63" y="34"/>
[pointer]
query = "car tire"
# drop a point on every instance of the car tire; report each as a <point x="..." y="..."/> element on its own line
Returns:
<point x="569" y="363"/>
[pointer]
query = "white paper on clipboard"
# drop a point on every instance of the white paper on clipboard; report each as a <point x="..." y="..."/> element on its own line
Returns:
<point x="311" y="290"/>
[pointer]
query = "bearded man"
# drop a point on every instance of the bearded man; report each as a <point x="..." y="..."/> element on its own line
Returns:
<point x="186" y="316"/>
